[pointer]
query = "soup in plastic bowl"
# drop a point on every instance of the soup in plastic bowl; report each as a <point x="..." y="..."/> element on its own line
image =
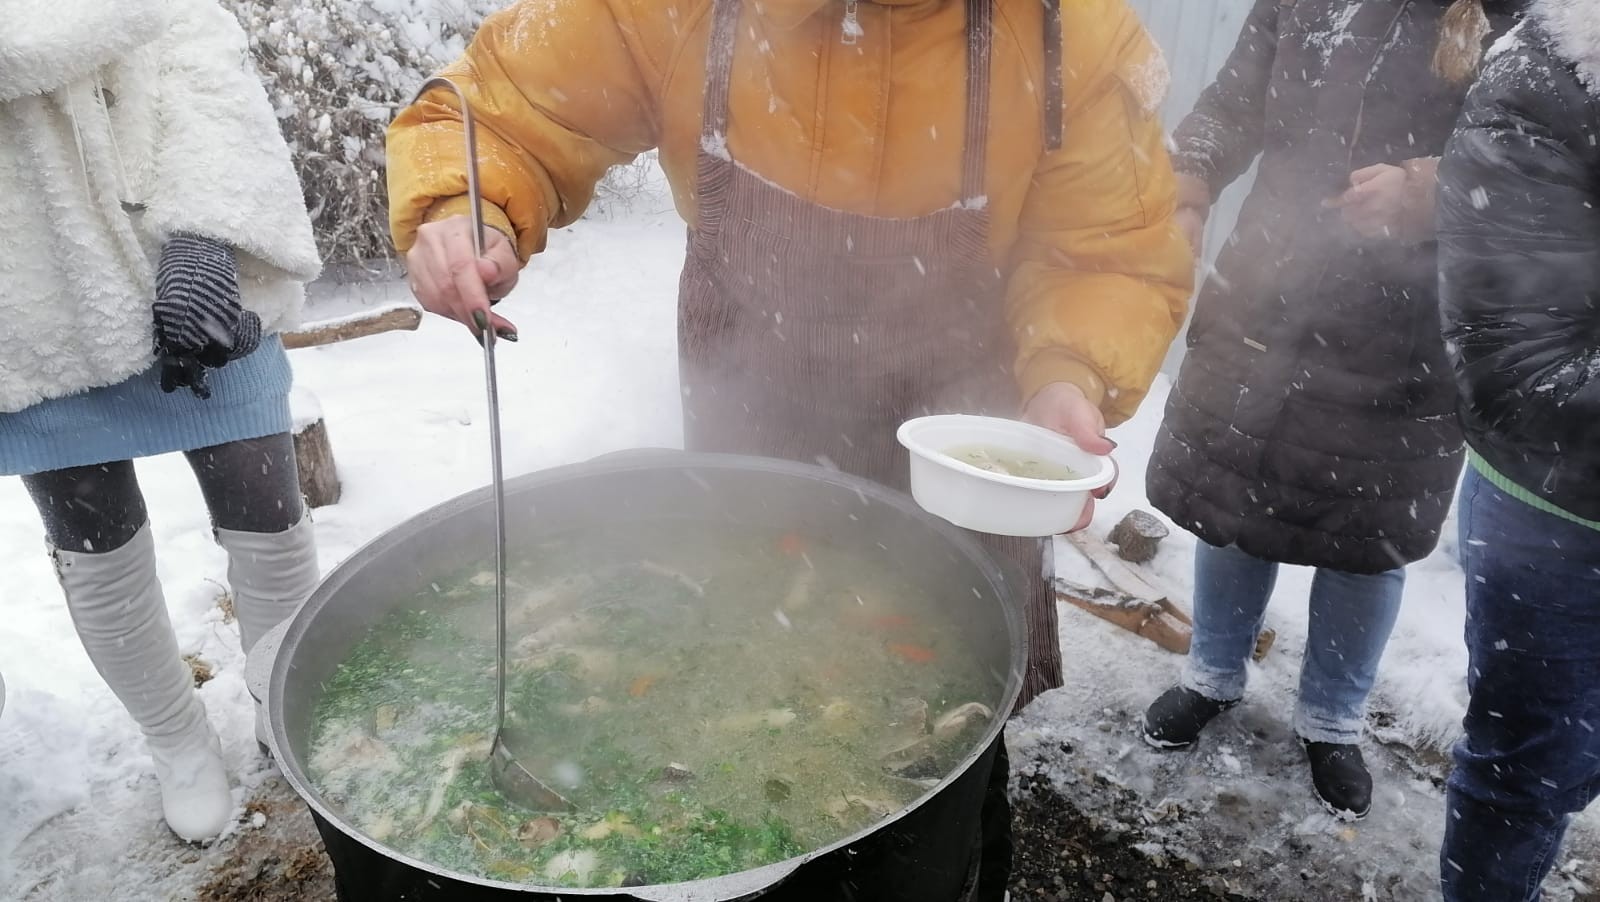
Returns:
<point x="998" y="476"/>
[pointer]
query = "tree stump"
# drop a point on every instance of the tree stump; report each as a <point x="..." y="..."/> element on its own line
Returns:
<point x="1138" y="536"/>
<point x="313" y="454"/>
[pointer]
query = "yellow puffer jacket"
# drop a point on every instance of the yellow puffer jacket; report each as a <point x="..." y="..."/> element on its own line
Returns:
<point x="565" y="89"/>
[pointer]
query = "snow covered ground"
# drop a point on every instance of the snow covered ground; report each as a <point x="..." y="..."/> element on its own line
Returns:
<point x="596" y="371"/>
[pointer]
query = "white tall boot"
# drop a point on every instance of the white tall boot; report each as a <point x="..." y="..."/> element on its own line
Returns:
<point x="271" y="575"/>
<point x="121" y="616"/>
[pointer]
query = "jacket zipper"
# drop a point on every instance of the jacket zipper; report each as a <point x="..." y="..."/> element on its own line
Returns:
<point x="850" y="27"/>
<point x="1361" y="108"/>
<point x="1355" y="137"/>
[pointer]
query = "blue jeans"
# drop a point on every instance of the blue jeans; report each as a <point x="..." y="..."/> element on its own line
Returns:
<point x="1464" y="516"/>
<point x="1531" y="756"/>
<point x="1351" y="617"/>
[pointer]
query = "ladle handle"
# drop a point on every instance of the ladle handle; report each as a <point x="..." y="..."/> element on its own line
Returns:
<point x="486" y="333"/>
<point x="475" y="200"/>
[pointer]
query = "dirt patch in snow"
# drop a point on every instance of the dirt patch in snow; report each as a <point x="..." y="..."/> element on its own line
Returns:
<point x="1064" y="855"/>
<point x="201" y="668"/>
<point x="277" y="858"/>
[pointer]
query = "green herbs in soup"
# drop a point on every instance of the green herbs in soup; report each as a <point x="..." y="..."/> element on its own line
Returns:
<point x="1011" y="463"/>
<point x="712" y="699"/>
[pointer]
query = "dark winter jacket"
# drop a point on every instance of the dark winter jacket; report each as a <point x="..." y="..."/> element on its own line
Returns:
<point x="1519" y="238"/>
<point x="1313" y="420"/>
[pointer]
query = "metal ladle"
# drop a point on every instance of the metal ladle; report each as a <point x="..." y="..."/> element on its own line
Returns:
<point x="510" y="777"/>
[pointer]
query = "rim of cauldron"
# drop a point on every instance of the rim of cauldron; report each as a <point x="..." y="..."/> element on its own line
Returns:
<point x="1005" y="579"/>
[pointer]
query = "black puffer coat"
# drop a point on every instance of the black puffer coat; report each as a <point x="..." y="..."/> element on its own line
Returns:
<point x="1313" y="421"/>
<point x="1519" y="237"/>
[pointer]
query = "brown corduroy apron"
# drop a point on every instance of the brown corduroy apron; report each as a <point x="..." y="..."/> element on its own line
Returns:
<point x="810" y="333"/>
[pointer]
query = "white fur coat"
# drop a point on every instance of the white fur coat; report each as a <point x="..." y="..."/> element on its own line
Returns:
<point x="123" y="122"/>
<point x="1575" y="27"/>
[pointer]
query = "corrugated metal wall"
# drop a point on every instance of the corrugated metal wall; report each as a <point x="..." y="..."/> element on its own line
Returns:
<point x="1196" y="36"/>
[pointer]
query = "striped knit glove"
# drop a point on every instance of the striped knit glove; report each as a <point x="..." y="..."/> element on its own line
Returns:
<point x="199" y="322"/>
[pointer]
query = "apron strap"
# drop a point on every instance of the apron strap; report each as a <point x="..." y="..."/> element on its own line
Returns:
<point x="975" y="151"/>
<point x="1054" y="130"/>
<point x="719" y="76"/>
<point x="980" y="39"/>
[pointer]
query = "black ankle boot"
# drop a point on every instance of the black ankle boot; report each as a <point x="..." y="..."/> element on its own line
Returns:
<point x="1174" y="720"/>
<point x="1339" y="775"/>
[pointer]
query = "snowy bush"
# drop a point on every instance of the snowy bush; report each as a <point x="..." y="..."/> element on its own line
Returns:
<point x="337" y="72"/>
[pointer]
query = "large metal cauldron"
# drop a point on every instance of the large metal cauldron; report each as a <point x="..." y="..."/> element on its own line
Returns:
<point x="924" y="853"/>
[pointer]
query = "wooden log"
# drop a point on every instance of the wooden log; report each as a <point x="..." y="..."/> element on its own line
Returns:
<point x="1165" y="626"/>
<point x="1103" y="597"/>
<point x="388" y="320"/>
<point x="1138" y="536"/>
<point x="1131" y="619"/>
<point x="319" y="476"/>
<point x="1172" y="635"/>
<point x="1138" y="616"/>
<point x="1263" y="644"/>
<point x="1157" y="613"/>
<point x="1177" y="611"/>
<point x="1120" y="574"/>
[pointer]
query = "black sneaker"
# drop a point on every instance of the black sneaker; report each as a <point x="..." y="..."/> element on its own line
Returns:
<point x="1339" y="775"/>
<point x="1174" y="720"/>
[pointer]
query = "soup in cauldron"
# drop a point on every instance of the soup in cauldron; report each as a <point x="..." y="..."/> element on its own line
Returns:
<point x="711" y="698"/>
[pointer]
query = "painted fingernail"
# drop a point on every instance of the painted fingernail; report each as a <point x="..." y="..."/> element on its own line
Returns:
<point x="506" y="334"/>
<point x="480" y="319"/>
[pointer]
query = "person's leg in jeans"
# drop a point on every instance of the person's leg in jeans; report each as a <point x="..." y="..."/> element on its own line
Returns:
<point x="1230" y="602"/>
<point x="1463" y="517"/>
<point x="1352" y="615"/>
<point x="1231" y="591"/>
<point x="1531" y="756"/>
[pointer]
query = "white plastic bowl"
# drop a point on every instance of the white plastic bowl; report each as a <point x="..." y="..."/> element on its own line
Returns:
<point x="996" y="503"/>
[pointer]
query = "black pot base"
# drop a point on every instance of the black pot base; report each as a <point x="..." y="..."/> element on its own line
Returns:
<point x="930" y="855"/>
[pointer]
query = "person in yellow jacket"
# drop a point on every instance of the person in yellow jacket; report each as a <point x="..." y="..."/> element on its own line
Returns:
<point x="895" y="206"/>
